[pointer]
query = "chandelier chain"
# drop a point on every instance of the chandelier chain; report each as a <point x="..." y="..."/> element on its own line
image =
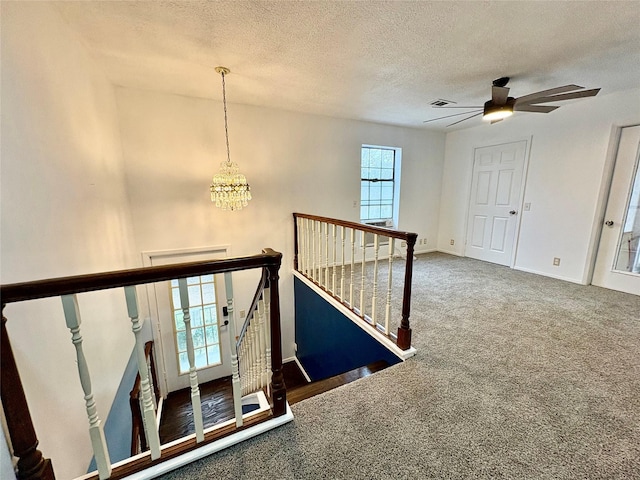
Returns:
<point x="226" y="125"/>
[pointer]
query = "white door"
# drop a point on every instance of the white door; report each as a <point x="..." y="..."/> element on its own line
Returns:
<point x="618" y="260"/>
<point x="207" y="298"/>
<point x="495" y="201"/>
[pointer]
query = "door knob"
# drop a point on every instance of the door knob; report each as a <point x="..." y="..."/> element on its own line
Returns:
<point x="513" y="212"/>
<point x="609" y="223"/>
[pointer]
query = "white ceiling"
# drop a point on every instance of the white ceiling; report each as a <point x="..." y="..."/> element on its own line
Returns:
<point x="381" y="61"/>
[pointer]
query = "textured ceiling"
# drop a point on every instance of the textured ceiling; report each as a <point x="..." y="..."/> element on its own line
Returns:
<point x="381" y="61"/>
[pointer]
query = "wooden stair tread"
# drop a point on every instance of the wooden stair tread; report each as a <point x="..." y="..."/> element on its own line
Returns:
<point x="298" y="392"/>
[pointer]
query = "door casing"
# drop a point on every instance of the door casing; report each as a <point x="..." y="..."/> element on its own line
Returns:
<point x="164" y="257"/>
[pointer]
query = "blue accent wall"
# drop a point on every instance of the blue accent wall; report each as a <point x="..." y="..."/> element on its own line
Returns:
<point x="328" y="342"/>
<point x="117" y="427"/>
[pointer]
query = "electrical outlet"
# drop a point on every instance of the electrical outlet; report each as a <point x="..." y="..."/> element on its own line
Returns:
<point x="527" y="207"/>
<point x="242" y="313"/>
<point x="556" y="262"/>
<point x="452" y="242"/>
<point x="403" y="244"/>
<point x="355" y="204"/>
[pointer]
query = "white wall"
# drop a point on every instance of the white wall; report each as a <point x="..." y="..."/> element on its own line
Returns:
<point x="173" y="145"/>
<point x="568" y="165"/>
<point x="64" y="211"/>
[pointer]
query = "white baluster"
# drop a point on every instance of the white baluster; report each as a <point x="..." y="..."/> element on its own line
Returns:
<point x="376" y="249"/>
<point x="313" y="250"/>
<point x="342" y="267"/>
<point x="152" y="387"/>
<point x="243" y="364"/>
<point x="262" y="345"/>
<point x="267" y="328"/>
<point x="353" y="265"/>
<point x="319" y="240"/>
<point x="335" y="249"/>
<point x="193" y="375"/>
<point x="387" y="314"/>
<point x="326" y="260"/>
<point x="148" y="410"/>
<point x="231" y="329"/>
<point x="96" y="433"/>
<point x="252" y="349"/>
<point x="308" y="249"/>
<point x="364" y="254"/>
<point x="300" y="236"/>
<point x="303" y="245"/>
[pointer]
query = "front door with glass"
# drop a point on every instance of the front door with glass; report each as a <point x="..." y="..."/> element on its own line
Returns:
<point x="210" y="336"/>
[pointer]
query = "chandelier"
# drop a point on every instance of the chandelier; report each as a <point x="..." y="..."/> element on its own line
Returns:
<point x="229" y="189"/>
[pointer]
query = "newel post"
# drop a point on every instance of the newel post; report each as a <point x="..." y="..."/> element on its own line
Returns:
<point x="278" y="389"/>
<point x="404" y="331"/>
<point x="31" y="464"/>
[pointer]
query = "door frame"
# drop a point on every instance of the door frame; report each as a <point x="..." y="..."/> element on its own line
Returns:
<point x="151" y="300"/>
<point x="603" y="200"/>
<point x="523" y="184"/>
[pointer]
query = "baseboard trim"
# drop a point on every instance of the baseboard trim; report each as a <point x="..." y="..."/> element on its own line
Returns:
<point x="550" y="275"/>
<point x="304" y="372"/>
<point x="449" y="252"/>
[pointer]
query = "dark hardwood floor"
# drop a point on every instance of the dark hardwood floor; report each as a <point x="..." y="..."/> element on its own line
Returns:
<point x="177" y="412"/>
<point x="217" y="398"/>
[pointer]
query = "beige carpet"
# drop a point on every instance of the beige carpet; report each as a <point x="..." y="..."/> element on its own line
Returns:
<point x="517" y="376"/>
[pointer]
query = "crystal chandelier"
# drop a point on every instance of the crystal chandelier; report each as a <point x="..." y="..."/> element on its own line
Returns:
<point x="229" y="189"/>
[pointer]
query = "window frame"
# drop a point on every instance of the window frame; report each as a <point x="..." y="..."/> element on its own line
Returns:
<point x="202" y="305"/>
<point x="395" y="180"/>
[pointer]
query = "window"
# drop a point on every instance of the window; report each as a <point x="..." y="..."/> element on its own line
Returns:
<point x="378" y="186"/>
<point x="204" y="323"/>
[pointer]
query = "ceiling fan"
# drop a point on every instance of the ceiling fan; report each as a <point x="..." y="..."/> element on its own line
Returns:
<point x="502" y="105"/>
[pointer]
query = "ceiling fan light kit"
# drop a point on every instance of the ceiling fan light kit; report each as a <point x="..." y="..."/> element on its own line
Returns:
<point x="493" y="112"/>
<point x="502" y="105"/>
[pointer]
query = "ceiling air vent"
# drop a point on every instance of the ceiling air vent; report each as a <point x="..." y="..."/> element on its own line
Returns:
<point x="441" y="103"/>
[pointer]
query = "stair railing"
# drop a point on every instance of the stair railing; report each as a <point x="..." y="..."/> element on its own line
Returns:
<point x="136" y="403"/>
<point x="22" y="435"/>
<point x="253" y="343"/>
<point x="333" y="254"/>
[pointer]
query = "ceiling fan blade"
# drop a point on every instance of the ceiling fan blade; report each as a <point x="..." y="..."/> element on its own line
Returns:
<point x="460" y="106"/>
<point x="447" y="116"/>
<point x="496" y="121"/>
<point x="546" y="93"/>
<point x="566" y="96"/>
<point x="459" y="121"/>
<point x="535" y="108"/>
<point x="499" y="95"/>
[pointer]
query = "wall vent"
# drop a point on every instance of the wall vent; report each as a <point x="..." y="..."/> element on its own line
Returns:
<point x="441" y="103"/>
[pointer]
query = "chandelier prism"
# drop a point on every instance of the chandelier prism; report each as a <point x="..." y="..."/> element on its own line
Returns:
<point x="229" y="189"/>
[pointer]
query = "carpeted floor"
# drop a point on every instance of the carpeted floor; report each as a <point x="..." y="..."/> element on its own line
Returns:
<point x="517" y="376"/>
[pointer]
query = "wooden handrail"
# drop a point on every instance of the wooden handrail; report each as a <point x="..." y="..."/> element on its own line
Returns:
<point x="365" y="227"/>
<point x="18" y="292"/>
<point x="403" y="338"/>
